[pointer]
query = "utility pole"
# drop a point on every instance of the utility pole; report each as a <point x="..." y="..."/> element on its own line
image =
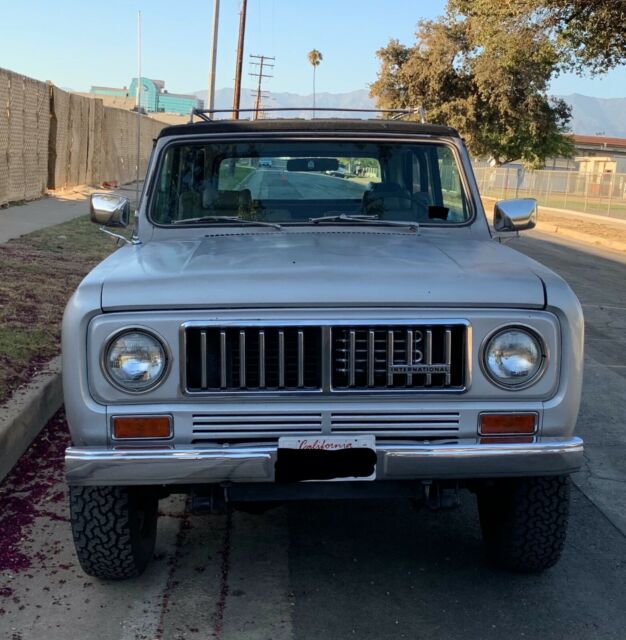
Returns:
<point x="138" y="107"/>
<point x="242" y="36"/>
<point x="259" y="94"/>
<point x="213" y="59"/>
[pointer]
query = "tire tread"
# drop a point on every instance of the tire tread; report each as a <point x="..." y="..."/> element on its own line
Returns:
<point x="524" y="522"/>
<point x="102" y="527"/>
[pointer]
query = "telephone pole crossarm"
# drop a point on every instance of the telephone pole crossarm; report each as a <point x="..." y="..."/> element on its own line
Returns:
<point x="262" y="65"/>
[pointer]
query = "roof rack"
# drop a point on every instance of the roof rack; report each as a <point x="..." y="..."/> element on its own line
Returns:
<point x="206" y="114"/>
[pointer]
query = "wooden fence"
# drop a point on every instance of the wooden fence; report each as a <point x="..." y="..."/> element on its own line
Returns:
<point x="52" y="139"/>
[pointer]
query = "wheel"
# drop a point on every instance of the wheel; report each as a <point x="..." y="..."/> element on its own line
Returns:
<point x="114" y="529"/>
<point x="524" y="521"/>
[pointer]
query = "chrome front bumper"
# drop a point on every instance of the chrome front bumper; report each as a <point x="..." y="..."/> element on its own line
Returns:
<point x="202" y="465"/>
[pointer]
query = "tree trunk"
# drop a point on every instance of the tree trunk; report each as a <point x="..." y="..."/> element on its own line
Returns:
<point x="314" y="90"/>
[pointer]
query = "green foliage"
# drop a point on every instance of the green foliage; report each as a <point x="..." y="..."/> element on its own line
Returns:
<point x="589" y="36"/>
<point x="484" y="73"/>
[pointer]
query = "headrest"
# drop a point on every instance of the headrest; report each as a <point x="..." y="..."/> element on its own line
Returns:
<point x="384" y="187"/>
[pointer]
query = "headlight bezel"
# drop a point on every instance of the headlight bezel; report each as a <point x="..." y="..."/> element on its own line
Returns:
<point x="116" y="335"/>
<point x="536" y="377"/>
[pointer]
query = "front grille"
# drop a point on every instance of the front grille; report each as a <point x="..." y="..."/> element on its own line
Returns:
<point x="392" y="357"/>
<point x="259" y="359"/>
<point x="394" y="423"/>
<point x="245" y="427"/>
<point x="428" y="357"/>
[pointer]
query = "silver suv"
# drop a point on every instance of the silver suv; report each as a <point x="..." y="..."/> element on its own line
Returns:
<point x="275" y="332"/>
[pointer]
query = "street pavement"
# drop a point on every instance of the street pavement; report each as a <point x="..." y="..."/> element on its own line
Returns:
<point x="336" y="570"/>
<point x="275" y="184"/>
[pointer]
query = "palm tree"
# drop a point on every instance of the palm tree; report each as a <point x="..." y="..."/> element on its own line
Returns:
<point x="315" y="57"/>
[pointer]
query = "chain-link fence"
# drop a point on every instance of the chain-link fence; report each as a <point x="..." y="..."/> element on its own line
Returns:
<point x="596" y="193"/>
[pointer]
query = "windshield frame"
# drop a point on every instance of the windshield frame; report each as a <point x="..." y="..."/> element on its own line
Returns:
<point x="280" y="136"/>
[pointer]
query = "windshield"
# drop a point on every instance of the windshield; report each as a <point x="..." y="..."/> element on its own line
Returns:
<point x="292" y="182"/>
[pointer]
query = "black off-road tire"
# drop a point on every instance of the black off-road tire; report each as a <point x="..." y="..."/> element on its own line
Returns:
<point x="114" y="529"/>
<point x="524" y="521"/>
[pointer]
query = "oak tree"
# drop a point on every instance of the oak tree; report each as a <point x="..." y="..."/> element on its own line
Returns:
<point x="485" y="66"/>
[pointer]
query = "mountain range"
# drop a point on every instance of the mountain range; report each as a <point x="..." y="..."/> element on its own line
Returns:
<point x="351" y="100"/>
<point x="590" y="116"/>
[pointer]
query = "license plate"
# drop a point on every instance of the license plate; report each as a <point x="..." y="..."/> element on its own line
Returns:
<point x="326" y="458"/>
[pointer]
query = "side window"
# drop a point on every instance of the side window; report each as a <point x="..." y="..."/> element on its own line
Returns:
<point x="451" y="187"/>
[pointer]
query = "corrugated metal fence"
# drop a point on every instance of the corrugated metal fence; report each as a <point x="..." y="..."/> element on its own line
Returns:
<point x="596" y="193"/>
<point x="53" y="139"/>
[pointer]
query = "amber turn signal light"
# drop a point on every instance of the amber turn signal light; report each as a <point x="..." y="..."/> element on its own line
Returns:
<point x="498" y="424"/>
<point x="128" y="427"/>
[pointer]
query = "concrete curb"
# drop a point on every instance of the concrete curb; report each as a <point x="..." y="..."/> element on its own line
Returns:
<point x="596" y="241"/>
<point x="27" y="412"/>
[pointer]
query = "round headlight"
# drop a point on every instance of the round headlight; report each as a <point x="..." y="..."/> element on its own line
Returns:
<point x="513" y="357"/>
<point x="135" y="361"/>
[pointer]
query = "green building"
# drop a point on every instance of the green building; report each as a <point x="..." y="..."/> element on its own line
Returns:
<point x="154" y="96"/>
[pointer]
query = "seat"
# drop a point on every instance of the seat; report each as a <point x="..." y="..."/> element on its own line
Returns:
<point x="189" y="205"/>
<point x="388" y="200"/>
<point x="226" y="202"/>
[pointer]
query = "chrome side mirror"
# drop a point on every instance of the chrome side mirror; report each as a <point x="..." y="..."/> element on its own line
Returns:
<point x="515" y="215"/>
<point x="109" y="210"/>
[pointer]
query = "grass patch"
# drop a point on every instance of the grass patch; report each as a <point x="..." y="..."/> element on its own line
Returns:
<point x="228" y="181"/>
<point x="39" y="273"/>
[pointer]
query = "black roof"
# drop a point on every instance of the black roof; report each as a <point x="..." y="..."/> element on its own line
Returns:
<point x="338" y="125"/>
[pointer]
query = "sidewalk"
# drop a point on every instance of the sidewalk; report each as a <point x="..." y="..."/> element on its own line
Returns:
<point x="20" y="219"/>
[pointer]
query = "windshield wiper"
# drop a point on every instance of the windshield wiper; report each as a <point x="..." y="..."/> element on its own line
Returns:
<point x="233" y="219"/>
<point x="360" y="218"/>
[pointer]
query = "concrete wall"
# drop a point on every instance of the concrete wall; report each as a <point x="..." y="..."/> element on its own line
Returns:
<point x="52" y="139"/>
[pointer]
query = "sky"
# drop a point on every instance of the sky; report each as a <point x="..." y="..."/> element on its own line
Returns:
<point x="76" y="44"/>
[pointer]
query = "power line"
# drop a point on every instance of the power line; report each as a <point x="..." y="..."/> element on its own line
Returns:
<point x="262" y="66"/>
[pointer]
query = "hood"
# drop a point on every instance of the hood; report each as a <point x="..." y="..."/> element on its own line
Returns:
<point x="320" y="268"/>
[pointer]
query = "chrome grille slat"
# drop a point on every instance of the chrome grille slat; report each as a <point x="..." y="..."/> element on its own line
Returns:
<point x="203" y="357"/>
<point x="352" y="358"/>
<point x="262" y="359"/>
<point x="242" y="359"/>
<point x="371" y="355"/>
<point x="281" y="359"/>
<point x="222" y="360"/>
<point x="429" y="354"/>
<point x="409" y="355"/>
<point x="390" y="352"/>
<point x="448" y="352"/>
<point x="300" y="358"/>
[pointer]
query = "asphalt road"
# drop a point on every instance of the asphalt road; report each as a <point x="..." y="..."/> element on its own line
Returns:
<point x="276" y="184"/>
<point x="365" y="570"/>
